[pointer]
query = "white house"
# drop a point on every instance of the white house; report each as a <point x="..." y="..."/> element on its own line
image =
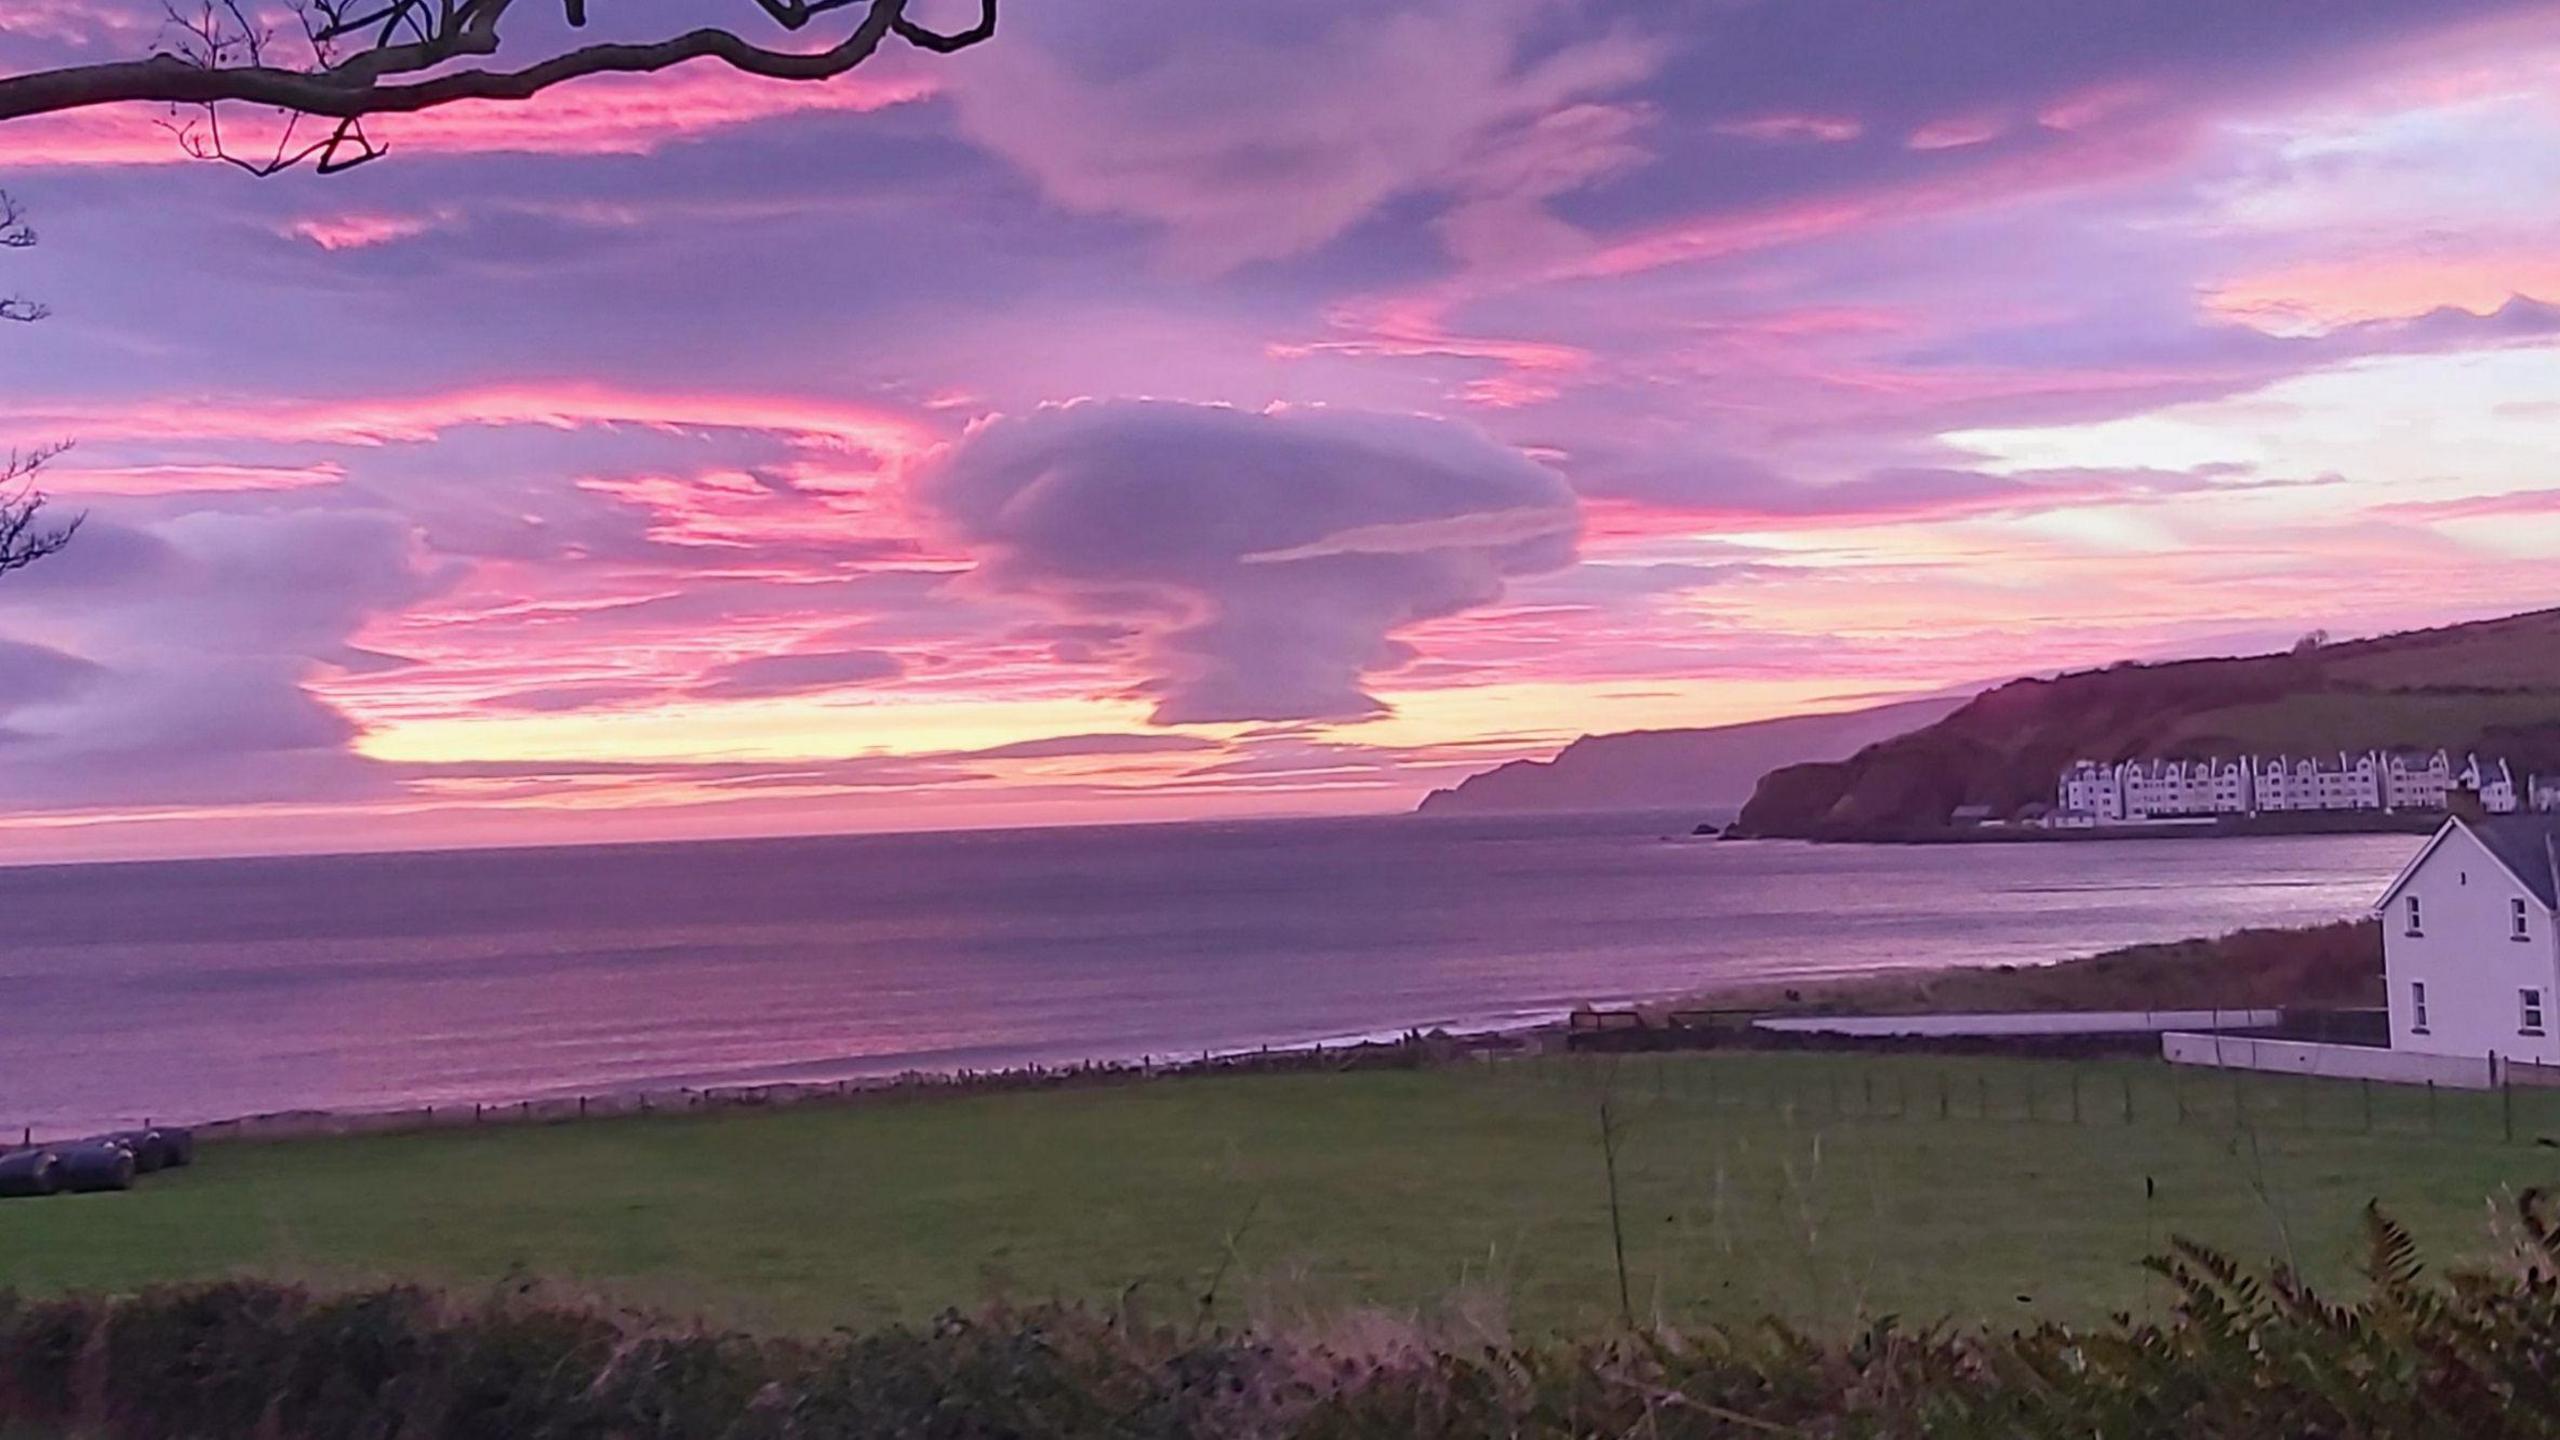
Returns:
<point x="2471" y="941"/>
<point x="2494" y="783"/>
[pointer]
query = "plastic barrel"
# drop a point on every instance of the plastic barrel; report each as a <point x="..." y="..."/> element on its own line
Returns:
<point x="29" y="1172"/>
<point x="96" y="1166"/>
<point x="181" y="1143"/>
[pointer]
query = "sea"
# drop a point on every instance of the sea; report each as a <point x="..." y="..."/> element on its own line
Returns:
<point x="195" y="990"/>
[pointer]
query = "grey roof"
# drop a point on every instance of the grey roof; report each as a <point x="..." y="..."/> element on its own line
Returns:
<point x="2530" y="846"/>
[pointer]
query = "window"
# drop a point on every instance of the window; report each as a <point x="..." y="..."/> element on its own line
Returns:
<point x="2523" y="920"/>
<point x="2417" y="1007"/>
<point x="2416" y="926"/>
<point x="2529" y="1004"/>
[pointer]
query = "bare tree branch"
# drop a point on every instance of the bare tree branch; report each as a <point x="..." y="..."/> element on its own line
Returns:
<point x="380" y="57"/>
<point x="16" y="234"/>
<point x="24" y="538"/>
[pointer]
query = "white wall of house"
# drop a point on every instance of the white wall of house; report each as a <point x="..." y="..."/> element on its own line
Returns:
<point x="2465" y="950"/>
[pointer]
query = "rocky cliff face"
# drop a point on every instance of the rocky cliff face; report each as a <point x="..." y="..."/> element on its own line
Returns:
<point x="1677" y="769"/>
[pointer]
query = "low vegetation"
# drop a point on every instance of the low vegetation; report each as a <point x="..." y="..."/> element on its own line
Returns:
<point x="2330" y="966"/>
<point x="2237" y="1354"/>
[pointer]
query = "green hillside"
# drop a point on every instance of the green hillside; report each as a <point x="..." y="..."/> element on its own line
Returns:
<point x="2493" y="686"/>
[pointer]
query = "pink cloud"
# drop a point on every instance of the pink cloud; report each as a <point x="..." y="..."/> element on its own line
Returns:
<point x="563" y="405"/>
<point x="148" y="480"/>
<point x="602" y="115"/>
<point x="2396" y="284"/>
<point x="1780" y="128"/>
<point x="1409" y="329"/>
<point x="358" y="230"/>
<point x="1954" y="132"/>
<point x="2541" y="504"/>
<point x="2099" y="103"/>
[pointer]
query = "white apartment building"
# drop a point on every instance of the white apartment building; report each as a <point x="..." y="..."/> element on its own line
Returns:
<point x="2289" y="784"/>
<point x="2183" y="789"/>
<point x="2416" y="780"/>
<point x="2494" y="783"/>
<point x="2093" y="792"/>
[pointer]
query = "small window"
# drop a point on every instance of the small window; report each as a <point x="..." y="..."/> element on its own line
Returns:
<point x="2418" y="1007"/>
<point x="2523" y="919"/>
<point x="2417" y="926"/>
<point x="2529" y="1006"/>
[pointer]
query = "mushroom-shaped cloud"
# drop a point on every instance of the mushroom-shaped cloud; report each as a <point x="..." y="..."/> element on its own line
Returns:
<point x="1261" y="560"/>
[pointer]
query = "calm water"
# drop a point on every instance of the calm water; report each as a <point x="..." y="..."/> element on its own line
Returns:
<point x="199" y="990"/>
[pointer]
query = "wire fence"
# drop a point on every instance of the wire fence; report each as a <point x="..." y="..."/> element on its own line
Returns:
<point x="1860" y="1087"/>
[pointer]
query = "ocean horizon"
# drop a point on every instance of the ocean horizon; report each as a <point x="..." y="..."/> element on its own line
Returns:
<point x="201" y="989"/>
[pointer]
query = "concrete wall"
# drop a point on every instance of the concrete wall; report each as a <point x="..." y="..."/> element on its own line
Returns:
<point x="2049" y="1022"/>
<point x="2467" y="957"/>
<point x="2342" y="1062"/>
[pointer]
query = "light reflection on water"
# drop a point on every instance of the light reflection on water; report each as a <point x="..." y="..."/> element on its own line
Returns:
<point x="236" y="987"/>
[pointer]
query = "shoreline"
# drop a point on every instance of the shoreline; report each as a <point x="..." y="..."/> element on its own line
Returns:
<point x="2221" y="828"/>
<point x="2316" y="965"/>
<point x="1410" y="1050"/>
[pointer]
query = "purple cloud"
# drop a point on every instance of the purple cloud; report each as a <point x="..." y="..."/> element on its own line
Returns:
<point x="1265" y="559"/>
<point x="1247" y="139"/>
<point x="1057" y="747"/>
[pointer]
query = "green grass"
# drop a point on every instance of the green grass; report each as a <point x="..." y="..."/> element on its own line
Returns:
<point x="1745" y="1193"/>
<point x="2314" y="723"/>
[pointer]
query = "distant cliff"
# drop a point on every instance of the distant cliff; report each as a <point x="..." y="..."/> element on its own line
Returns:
<point x="1676" y="769"/>
<point x="2492" y="687"/>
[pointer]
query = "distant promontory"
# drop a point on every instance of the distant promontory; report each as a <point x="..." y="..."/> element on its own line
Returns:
<point x="1703" y="769"/>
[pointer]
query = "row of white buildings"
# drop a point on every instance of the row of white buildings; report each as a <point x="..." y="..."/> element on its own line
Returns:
<point x="2094" y="792"/>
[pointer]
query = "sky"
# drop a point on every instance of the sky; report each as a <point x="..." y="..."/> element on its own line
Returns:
<point x="1173" y="410"/>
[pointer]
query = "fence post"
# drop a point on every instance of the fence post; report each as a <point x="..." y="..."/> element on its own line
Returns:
<point x="1981" y="1095"/>
<point x="2507" y="1107"/>
<point x="2075" y="1094"/>
<point x="1942" y="1094"/>
<point x="1866" y="1092"/>
<point x="2431" y="1107"/>
<point x="2128" y="1098"/>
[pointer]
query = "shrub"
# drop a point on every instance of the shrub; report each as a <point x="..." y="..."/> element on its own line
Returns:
<point x="2246" y="1354"/>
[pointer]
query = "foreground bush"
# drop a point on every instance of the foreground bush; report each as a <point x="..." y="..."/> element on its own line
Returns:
<point x="2251" y="1355"/>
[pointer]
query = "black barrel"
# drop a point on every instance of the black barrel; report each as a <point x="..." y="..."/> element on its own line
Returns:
<point x="150" y="1148"/>
<point x="30" y="1172"/>
<point x="96" y="1165"/>
<point x="181" y="1144"/>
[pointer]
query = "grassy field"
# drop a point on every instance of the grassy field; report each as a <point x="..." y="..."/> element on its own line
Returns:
<point x="1813" y="1186"/>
